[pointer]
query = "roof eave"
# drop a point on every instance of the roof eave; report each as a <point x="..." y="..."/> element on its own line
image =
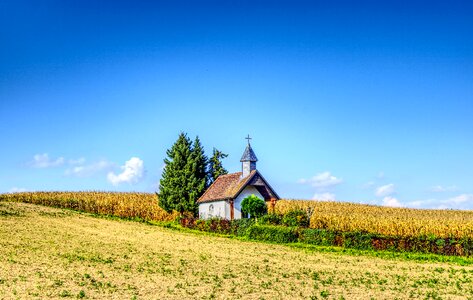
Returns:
<point x="213" y="200"/>
<point x="249" y="178"/>
<point x="270" y="187"/>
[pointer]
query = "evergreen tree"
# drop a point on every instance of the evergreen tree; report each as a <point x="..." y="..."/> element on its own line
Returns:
<point x="198" y="180"/>
<point x="185" y="176"/>
<point x="174" y="184"/>
<point x="215" y="165"/>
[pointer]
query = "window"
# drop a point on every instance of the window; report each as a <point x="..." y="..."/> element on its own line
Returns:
<point x="211" y="209"/>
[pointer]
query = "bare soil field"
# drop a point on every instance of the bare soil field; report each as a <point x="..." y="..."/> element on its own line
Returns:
<point x="54" y="253"/>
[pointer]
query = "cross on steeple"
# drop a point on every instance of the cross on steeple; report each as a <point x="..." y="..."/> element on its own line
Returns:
<point x="248" y="138"/>
<point x="248" y="159"/>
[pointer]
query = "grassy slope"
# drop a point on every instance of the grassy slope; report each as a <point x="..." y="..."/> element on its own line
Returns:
<point x="50" y="253"/>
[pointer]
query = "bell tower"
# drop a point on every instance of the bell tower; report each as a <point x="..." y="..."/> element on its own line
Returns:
<point x="248" y="160"/>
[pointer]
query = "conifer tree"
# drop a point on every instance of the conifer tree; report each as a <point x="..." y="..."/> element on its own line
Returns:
<point x="184" y="177"/>
<point x="198" y="180"/>
<point x="174" y="184"/>
<point x="215" y="165"/>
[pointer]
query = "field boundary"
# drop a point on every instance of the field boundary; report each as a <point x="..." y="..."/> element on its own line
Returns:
<point x="382" y="254"/>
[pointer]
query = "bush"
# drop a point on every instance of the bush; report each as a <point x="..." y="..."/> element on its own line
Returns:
<point x="254" y="206"/>
<point x="211" y="225"/>
<point x="188" y="222"/>
<point x="219" y="226"/>
<point x="295" y="218"/>
<point x="358" y="240"/>
<point x="322" y="237"/>
<point x="372" y="241"/>
<point x="278" y="234"/>
<point x="319" y="237"/>
<point x="270" y="219"/>
<point x="240" y="226"/>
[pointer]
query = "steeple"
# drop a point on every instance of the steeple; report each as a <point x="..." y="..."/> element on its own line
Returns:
<point x="248" y="160"/>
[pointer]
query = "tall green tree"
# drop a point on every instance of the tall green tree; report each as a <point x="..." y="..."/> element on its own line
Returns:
<point x="176" y="192"/>
<point x="215" y="165"/>
<point x="198" y="180"/>
<point x="187" y="174"/>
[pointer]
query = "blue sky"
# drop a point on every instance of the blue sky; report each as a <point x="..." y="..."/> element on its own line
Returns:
<point x="363" y="102"/>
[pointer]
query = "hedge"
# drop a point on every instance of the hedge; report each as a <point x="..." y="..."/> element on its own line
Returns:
<point x="358" y="240"/>
<point x="271" y="233"/>
<point x="371" y="241"/>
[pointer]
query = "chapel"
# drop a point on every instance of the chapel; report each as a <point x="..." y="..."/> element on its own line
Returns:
<point x="223" y="198"/>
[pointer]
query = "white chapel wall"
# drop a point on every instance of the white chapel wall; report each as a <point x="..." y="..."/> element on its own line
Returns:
<point x="216" y="209"/>
<point x="249" y="190"/>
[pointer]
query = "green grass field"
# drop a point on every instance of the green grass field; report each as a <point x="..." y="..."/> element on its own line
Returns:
<point x="54" y="253"/>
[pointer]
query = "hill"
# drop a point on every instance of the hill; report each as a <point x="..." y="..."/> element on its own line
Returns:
<point x="54" y="253"/>
<point x="339" y="216"/>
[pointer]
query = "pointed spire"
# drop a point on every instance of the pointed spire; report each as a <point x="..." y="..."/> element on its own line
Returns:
<point x="248" y="160"/>
<point x="249" y="154"/>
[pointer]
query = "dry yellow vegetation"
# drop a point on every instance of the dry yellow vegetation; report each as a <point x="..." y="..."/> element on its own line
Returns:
<point x="339" y="216"/>
<point x="53" y="253"/>
<point x="120" y="204"/>
<point x="406" y="222"/>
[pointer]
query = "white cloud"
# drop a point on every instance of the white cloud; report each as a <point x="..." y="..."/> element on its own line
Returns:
<point x="133" y="172"/>
<point x="460" y="199"/>
<point x="385" y="190"/>
<point x="79" y="161"/>
<point x="89" y="170"/>
<point x="391" y="201"/>
<point x="417" y="203"/>
<point x="322" y="180"/>
<point x="324" y="197"/>
<point x="44" y="161"/>
<point x="441" y="189"/>
<point x="17" y="190"/>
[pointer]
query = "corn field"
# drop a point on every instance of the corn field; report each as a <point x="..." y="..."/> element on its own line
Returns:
<point x="337" y="216"/>
<point x="404" y="222"/>
<point x="125" y="205"/>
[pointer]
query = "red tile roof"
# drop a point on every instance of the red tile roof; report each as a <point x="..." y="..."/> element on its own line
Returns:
<point x="225" y="187"/>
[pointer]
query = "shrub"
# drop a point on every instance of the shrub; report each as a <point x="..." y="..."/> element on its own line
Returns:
<point x="215" y="225"/>
<point x="319" y="237"/>
<point x="240" y="226"/>
<point x="295" y="218"/>
<point x="372" y="241"/>
<point x="278" y="234"/>
<point x="200" y="225"/>
<point x="254" y="206"/>
<point x="270" y="219"/>
<point x="220" y="226"/>
<point x="323" y="237"/>
<point x="188" y="222"/>
<point x="358" y="240"/>
<point x="388" y="221"/>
